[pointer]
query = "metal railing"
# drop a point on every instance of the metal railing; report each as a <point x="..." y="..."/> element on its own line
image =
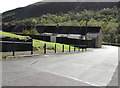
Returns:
<point x="45" y="47"/>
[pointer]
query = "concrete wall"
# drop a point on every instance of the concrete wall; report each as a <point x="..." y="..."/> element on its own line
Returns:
<point x="52" y="38"/>
<point x="99" y="40"/>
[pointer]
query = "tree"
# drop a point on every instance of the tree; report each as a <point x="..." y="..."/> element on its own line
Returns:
<point x="29" y="23"/>
<point x="93" y="22"/>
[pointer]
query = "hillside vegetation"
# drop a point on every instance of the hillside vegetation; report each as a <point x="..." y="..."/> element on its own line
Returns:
<point x="105" y="15"/>
<point x="40" y="8"/>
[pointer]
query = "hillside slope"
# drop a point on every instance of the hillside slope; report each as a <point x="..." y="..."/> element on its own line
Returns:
<point x="40" y="8"/>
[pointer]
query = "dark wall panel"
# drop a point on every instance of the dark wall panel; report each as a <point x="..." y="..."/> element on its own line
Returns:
<point x="75" y="42"/>
<point x="38" y="37"/>
<point x="8" y="45"/>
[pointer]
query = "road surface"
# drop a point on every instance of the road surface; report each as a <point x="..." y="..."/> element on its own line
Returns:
<point x="92" y="68"/>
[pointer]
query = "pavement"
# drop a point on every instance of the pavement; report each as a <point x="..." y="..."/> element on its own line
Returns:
<point x="95" y="67"/>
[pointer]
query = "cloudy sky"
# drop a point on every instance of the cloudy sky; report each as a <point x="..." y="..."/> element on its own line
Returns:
<point x="12" y="4"/>
<point x="6" y="5"/>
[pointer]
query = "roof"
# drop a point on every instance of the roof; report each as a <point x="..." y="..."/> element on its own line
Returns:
<point x="68" y="29"/>
<point x="57" y="29"/>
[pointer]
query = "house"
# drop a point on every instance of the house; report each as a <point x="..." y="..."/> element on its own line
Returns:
<point x="75" y="32"/>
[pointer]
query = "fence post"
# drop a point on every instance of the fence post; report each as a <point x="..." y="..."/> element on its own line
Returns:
<point x="79" y="49"/>
<point x="32" y="47"/>
<point x="44" y="48"/>
<point x="13" y="48"/>
<point x="32" y="51"/>
<point x="69" y="48"/>
<point x="63" y="48"/>
<point x="74" y="48"/>
<point x="82" y="49"/>
<point x="55" y="48"/>
<point x="13" y="52"/>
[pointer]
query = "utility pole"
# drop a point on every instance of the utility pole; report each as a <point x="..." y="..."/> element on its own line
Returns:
<point x="86" y="31"/>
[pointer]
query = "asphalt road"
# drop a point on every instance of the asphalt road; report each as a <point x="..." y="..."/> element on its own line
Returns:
<point x="92" y="68"/>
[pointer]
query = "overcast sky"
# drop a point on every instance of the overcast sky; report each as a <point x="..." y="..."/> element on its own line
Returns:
<point x="6" y="5"/>
<point x="12" y="4"/>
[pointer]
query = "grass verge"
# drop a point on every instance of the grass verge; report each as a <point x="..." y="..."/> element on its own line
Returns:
<point x="50" y="45"/>
<point x="112" y="44"/>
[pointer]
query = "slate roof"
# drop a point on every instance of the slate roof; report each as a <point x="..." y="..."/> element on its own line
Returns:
<point x="56" y="29"/>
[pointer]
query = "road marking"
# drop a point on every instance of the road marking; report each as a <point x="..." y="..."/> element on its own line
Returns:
<point x="34" y="62"/>
<point x="70" y="77"/>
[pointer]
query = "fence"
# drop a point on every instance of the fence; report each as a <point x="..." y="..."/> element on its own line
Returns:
<point x="45" y="48"/>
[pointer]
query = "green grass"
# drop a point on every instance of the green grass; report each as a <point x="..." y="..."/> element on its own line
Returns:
<point x="5" y="34"/>
<point x="50" y="45"/>
<point x="112" y="44"/>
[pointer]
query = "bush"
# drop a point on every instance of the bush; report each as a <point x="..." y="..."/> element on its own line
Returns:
<point x="33" y="31"/>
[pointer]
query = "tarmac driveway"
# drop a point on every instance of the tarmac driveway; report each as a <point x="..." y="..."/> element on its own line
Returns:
<point x="92" y="68"/>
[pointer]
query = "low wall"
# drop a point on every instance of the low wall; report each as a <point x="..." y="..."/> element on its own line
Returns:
<point x="64" y="40"/>
<point x="75" y="42"/>
<point x="38" y="37"/>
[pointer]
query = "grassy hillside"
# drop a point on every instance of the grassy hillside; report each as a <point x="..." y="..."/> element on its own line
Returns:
<point x="5" y="34"/>
<point x="40" y="8"/>
<point x="50" y="45"/>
